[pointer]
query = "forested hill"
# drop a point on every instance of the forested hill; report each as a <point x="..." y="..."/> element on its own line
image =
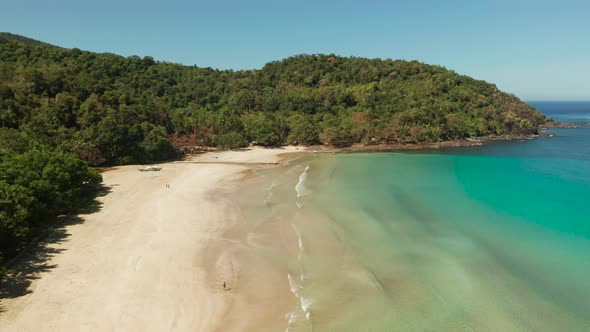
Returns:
<point x="109" y="109"/>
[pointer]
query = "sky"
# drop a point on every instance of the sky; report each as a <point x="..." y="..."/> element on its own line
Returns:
<point x="538" y="50"/>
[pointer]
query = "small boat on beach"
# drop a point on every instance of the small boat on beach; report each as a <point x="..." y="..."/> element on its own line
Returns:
<point x="150" y="169"/>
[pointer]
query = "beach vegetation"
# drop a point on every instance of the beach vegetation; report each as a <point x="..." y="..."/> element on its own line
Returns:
<point x="231" y="141"/>
<point x="37" y="186"/>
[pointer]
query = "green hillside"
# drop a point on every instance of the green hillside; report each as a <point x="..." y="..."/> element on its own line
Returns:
<point x="109" y="109"/>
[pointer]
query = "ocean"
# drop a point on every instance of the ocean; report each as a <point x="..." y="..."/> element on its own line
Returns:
<point x="484" y="238"/>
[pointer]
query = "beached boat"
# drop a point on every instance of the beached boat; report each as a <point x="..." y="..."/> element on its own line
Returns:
<point x="150" y="169"/>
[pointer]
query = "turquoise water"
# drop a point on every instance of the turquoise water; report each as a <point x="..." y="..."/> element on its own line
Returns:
<point x="487" y="238"/>
<point x="505" y="224"/>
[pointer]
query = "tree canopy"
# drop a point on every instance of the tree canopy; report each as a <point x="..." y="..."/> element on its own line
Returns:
<point x="36" y="186"/>
<point x="109" y="109"/>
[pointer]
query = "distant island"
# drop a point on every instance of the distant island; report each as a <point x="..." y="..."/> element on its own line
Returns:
<point x="62" y="110"/>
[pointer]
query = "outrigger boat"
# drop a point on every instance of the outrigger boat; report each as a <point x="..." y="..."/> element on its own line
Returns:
<point x="150" y="169"/>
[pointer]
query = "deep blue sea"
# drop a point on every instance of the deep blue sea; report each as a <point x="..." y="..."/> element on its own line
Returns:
<point x="486" y="238"/>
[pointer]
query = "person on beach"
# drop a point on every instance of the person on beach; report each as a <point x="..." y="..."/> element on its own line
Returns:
<point x="225" y="285"/>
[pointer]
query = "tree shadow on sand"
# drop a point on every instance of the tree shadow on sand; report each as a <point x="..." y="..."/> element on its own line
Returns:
<point x="35" y="259"/>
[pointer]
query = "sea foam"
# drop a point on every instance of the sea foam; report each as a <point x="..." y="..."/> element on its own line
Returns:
<point x="295" y="287"/>
<point x="269" y="192"/>
<point x="291" y="318"/>
<point x="300" y="187"/>
<point x="305" y="303"/>
<point x="299" y="242"/>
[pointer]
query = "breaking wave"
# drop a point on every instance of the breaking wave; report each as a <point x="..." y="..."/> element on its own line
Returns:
<point x="300" y="186"/>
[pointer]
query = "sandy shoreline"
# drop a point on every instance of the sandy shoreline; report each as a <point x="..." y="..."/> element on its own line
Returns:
<point x="138" y="264"/>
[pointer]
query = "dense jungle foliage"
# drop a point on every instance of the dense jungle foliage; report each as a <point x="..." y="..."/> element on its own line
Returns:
<point x="109" y="109"/>
<point x="36" y="186"/>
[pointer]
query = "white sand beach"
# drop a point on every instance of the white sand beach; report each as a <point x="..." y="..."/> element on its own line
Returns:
<point x="137" y="264"/>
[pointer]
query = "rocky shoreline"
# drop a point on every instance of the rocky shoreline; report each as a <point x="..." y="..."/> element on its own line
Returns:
<point x="452" y="143"/>
<point x="425" y="146"/>
<point x="565" y="125"/>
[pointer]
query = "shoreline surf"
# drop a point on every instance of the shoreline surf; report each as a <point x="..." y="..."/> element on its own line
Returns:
<point x="375" y="245"/>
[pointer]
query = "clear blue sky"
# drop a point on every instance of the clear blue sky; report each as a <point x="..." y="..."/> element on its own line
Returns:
<point x="535" y="49"/>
